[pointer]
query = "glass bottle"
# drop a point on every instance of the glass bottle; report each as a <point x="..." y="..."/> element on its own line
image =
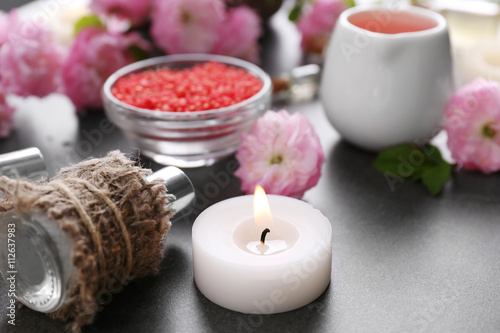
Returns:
<point x="41" y="268"/>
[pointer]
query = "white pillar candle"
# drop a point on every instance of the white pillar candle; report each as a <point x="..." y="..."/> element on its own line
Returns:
<point x="481" y="60"/>
<point x="235" y="270"/>
<point x="468" y="22"/>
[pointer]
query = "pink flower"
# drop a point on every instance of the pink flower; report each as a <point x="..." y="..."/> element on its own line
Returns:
<point x="94" y="56"/>
<point x="4" y="27"/>
<point x="472" y="121"/>
<point x="282" y="153"/>
<point x="317" y="23"/>
<point x="6" y="117"/>
<point x="239" y="34"/>
<point x="187" y="26"/>
<point x="134" y="11"/>
<point x="30" y="59"/>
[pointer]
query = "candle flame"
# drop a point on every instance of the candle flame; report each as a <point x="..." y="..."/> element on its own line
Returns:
<point x="261" y="212"/>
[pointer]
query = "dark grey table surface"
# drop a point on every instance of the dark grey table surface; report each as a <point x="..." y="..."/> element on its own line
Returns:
<point x="403" y="261"/>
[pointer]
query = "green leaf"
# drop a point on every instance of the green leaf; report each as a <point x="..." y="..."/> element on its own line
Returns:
<point x="138" y="53"/>
<point x="349" y="3"/>
<point x="417" y="175"/>
<point x="435" y="177"/>
<point x="87" y="21"/>
<point x="295" y="13"/>
<point x="432" y="153"/>
<point x="395" y="160"/>
<point x="411" y="162"/>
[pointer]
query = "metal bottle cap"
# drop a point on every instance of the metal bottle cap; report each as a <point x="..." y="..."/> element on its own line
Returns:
<point x="25" y="163"/>
<point x="180" y="186"/>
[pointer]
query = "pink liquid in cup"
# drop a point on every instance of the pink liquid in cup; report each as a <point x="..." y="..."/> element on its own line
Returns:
<point x="391" y="22"/>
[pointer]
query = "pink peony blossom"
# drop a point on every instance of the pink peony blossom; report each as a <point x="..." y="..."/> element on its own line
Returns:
<point x="472" y="121"/>
<point x="30" y="59"/>
<point x="94" y="56"/>
<point x="187" y="26"/>
<point x="6" y="117"/>
<point x="282" y="153"/>
<point x="317" y="23"/>
<point x="134" y="11"/>
<point x="239" y="34"/>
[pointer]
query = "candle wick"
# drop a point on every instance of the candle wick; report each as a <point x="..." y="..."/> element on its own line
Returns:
<point x="263" y="236"/>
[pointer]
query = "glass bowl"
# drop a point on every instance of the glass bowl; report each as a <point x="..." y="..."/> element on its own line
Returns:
<point x="186" y="139"/>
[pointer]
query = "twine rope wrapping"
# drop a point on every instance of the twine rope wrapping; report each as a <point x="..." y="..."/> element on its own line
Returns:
<point x="117" y="221"/>
<point x="87" y="221"/>
<point x="116" y="212"/>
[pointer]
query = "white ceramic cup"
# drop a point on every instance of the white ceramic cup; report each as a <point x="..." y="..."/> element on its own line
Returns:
<point x="381" y="89"/>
